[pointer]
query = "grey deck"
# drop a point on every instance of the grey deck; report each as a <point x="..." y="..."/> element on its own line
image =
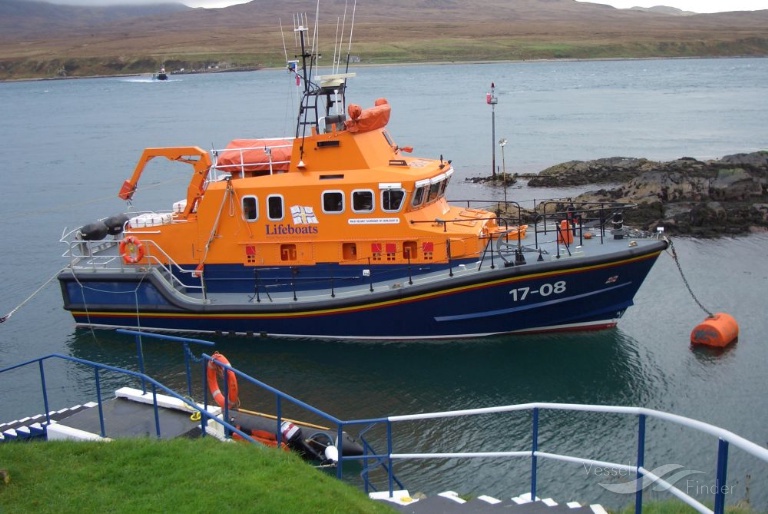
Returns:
<point x="126" y="418"/>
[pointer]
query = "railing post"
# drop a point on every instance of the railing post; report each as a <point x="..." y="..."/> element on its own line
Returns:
<point x="340" y="450"/>
<point x="722" y="471"/>
<point x="390" y="473"/>
<point x="410" y="277"/>
<point x="98" y="398"/>
<point x="279" y="411"/>
<point x="534" y="449"/>
<point x="225" y="410"/>
<point x="45" y="394"/>
<point x="157" y="410"/>
<point x="640" y="463"/>
<point x="204" y="419"/>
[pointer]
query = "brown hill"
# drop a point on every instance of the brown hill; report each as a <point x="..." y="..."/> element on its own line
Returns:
<point x="43" y="41"/>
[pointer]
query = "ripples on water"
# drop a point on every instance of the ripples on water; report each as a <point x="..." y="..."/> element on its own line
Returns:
<point x="72" y="143"/>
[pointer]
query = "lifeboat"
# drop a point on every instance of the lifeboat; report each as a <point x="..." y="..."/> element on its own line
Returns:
<point x="336" y="231"/>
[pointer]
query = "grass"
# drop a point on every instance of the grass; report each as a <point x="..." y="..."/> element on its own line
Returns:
<point x="187" y="475"/>
<point x="182" y="475"/>
<point x="677" y="507"/>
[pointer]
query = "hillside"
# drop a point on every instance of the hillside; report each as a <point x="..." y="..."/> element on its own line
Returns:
<point x="39" y="40"/>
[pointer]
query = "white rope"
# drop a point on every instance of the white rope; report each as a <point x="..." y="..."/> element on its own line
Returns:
<point x="3" y="319"/>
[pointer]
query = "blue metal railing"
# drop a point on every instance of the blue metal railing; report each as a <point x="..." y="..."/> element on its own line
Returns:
<point x="145" y="380"/>
<point x="189" y="359"/>
<point x="726" y="439"/>
<point x="98" y="368"/>
<point x="370" y="459"/>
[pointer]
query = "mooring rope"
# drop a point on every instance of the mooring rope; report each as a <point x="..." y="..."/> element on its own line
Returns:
<point x="3" y="319"/>
<point x="685" y="281"/>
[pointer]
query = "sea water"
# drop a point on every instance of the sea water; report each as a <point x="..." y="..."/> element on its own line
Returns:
<point x="69" y="144"/>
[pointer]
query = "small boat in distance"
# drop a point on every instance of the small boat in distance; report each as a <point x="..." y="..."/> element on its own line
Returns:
<point x="161" y="75"/>
<point x="337" y="233"/>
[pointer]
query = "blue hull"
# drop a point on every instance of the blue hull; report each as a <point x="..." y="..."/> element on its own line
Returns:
<point x="588" y="293"/>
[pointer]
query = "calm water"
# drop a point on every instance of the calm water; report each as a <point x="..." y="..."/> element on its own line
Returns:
<point x="70" y="144"/>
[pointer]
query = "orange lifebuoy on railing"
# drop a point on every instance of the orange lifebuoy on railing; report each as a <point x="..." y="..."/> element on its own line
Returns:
<point x="213" y="372"/>
<point x="131" y="249"/>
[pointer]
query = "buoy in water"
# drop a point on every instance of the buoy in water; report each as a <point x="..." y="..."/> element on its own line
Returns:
<point x="718" y="330"/>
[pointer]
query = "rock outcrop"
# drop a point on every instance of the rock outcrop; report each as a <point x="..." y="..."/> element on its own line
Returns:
<point x="728" y="196"/>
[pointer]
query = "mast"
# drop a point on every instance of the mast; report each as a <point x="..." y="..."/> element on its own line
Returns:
<point x="308" y="107"/>
<point x="329" y="89"/>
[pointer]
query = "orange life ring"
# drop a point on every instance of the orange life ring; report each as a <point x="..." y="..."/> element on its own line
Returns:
<point x="131" y="249"/>
<point x="213" y="372"/>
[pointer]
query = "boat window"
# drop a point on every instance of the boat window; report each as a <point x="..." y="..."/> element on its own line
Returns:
<point x="434" y="191"/>
<point x="392" y="199"/>
<point x="333" y="201"/>
<point x="418" y="196"/>
<point x="250" y="208"/>
<point x="275" y="207"/>
<point x="444" y="186"/>
<point x="362" y="201"/>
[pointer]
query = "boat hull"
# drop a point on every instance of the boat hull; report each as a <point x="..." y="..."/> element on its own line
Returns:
<point x="568" y="294"/>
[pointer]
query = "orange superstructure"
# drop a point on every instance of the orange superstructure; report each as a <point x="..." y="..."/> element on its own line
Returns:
<point x="342" y="196"/>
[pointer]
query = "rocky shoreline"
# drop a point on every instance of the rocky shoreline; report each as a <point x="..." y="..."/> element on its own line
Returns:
<point x="722" y="197"/>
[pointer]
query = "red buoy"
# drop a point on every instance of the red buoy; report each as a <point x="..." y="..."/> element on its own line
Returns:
<point x="718" y="330"/>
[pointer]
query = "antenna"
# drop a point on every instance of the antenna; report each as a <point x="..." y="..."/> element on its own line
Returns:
<point x="351" y="28"/>
<point x="282" y="35"/>
<point x="340" y="37"/>
<point x="316" y="38"/>
<point x="336" y="49"/>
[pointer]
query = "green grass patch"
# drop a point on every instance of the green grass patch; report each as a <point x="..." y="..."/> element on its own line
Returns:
<point x="678" y="507"/>
<point x="191" y="476"/>
<point x="182" y="475"/>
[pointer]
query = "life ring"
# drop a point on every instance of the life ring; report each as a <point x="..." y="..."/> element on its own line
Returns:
<point x="131" y="249"/>
<point x="213" y="372"/>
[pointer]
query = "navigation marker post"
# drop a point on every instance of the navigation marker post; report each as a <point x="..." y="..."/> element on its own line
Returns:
<point x="490" y="99"/>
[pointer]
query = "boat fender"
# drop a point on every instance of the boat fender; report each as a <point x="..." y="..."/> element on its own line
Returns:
<point x="93" y="231"/>
<point x="332" y="454"/>
<point x="718" y="330"/>
<point x="212" y="374"/>
<point x="115" y="224"/>
<point x="131" y="249"/>
<point x="564" y="234"/>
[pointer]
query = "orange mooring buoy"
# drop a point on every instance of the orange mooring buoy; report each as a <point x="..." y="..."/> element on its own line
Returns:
<point x="718" y="330"/>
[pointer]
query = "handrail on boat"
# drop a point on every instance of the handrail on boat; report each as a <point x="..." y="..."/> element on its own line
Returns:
<point x="91" y="254"/>
<point x="243" y="164"/>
